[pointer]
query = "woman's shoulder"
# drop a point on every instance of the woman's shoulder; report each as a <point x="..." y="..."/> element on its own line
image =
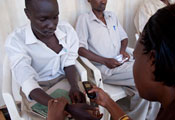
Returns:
<point x="168" y="113"/>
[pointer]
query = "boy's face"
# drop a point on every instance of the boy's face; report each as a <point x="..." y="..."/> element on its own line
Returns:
<point x="43" y="15"/>
<point x="143" y="72"/>
<point x="98" y="5"/>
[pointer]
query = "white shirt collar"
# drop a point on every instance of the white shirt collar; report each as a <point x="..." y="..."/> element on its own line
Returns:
<point x="94" y="17"/>
<point x="31" y="38"/>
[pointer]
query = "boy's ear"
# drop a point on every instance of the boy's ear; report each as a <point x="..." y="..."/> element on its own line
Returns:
<point x="27" y="13"/>
<point x="152" y="60"/>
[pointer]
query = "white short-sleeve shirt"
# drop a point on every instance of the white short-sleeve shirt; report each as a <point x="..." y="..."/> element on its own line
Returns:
<point x="94" y="35"/>
<point x="145" y="11"/>
<point x="32" y="61"/>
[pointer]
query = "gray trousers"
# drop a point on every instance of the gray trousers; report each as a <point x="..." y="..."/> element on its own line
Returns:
<point x="136" y="107"/>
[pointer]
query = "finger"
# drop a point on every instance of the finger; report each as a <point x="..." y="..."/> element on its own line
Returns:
<point x="128" y="57"/>
<point x="95" y="89"/>
<point x="83" y="99"/>
<point x="72" y="99"/>
<point x="56" y="101"/>
<point x="113" y="66"/>
<point x="64" y="103"/>
<point x="85" y="116"/>
<point x="84" y="92"/>
<point x="66" y="113"/>
<point x="63" y="100"/>
<point x="50" y="102"/>
<point x="69" y="116"/>
<point x="94" y="86"/>
<point x="92" y="118"/>
<point x="117" y="63"/>
<point x="89" y="107"/>
<point x="78" y="96"/>
<point x="93" y="100"/>
<point x="88" y="116"/>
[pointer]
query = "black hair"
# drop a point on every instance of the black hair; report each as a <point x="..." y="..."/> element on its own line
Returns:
<point x="159" y="35"/>
<point x="28" y="3"/>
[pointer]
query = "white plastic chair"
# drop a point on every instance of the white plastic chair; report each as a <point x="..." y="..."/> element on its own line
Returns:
<point x="115" y="92"/>
<point x="8" y="95"/>
<point x="7" y="92"/>
<point x="137" y="36"/>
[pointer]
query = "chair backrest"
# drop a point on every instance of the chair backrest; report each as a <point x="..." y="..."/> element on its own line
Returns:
<point x="137" y="36"/>
<point x="7" y="92"/>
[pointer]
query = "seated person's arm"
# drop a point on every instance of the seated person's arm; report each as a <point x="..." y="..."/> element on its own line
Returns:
<point x="124" y="41"/>
<point x="124" y="44"/>
<point x="69" y="67"/>
<point x="74" y="93"/>
<point x="26" y="76"/>
<point x="91" y="56"/>
<point x="23" y="73"/>
<point x="40" y="96"/>
<point x="109" y="62"/>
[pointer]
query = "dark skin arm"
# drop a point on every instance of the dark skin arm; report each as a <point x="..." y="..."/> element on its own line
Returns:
<point x="109" y="62"/>
<point x="124" y="44"/>
<point x="40" y="96"/>
<point x="104" y="100"/>
<point x="71" y="75"/>
<point x="76" y="96"/>
<point x="74" y="93"/>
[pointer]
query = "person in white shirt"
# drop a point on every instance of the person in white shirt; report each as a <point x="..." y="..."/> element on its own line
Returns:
<point x="155" y="62"/>
<point x="102" y="39"/>
<point x="41" y="52"/>
<point x="146" y="10"/>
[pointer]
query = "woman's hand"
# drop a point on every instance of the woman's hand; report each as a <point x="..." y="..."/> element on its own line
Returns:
<point x="56" y="108"/>
<point x="102" y="98"/>
<point x="82" y="111"/>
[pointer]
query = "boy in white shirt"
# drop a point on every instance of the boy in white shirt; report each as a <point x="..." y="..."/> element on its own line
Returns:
<point x="41" y="52"/>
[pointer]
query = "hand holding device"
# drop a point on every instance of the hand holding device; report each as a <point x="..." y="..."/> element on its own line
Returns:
<point x="88" y="87"/>
<point x="120" y="59"/>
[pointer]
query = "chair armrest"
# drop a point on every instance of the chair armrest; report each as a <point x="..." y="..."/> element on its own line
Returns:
<point x="7" y="92"/>
<point x="96" y="71"/>
<point x="11" y="106"/>
<point x="82" y="71"/>
<point x="130" y="50"/>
